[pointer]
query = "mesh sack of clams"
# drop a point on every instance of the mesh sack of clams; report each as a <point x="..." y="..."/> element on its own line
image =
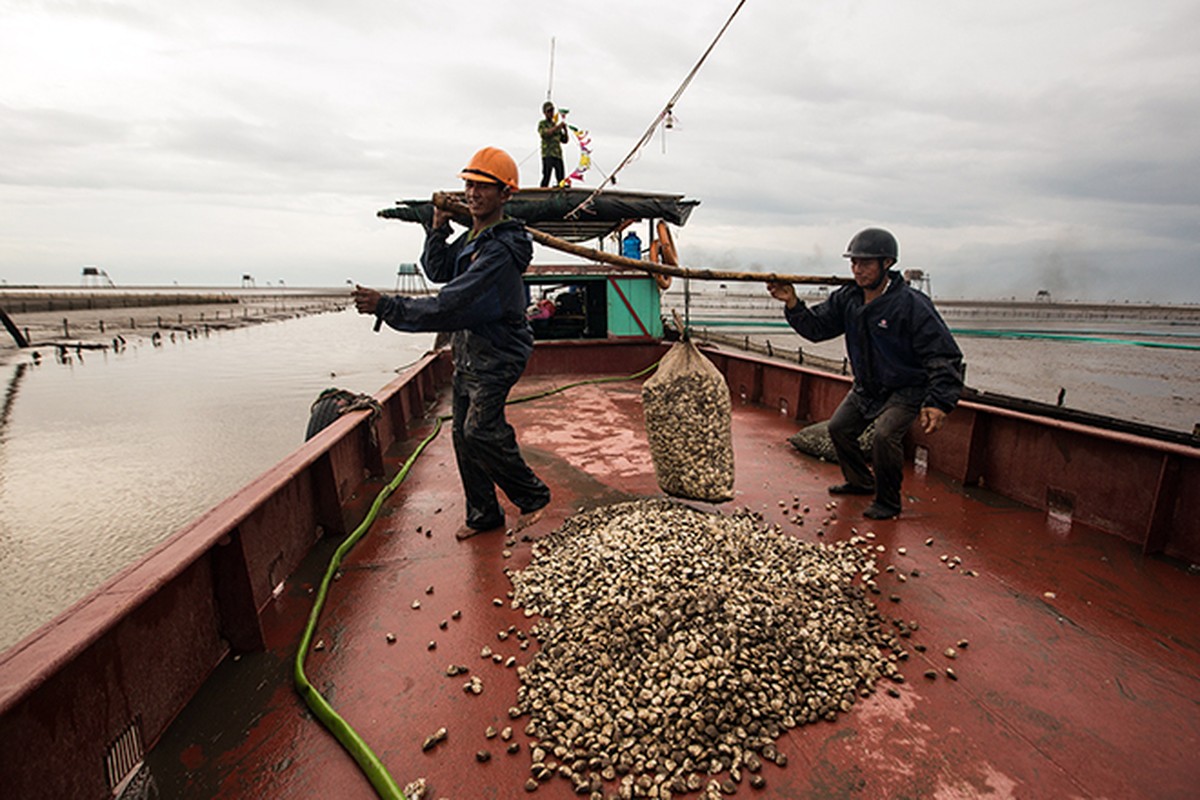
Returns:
<point x="814" y="441"/>
<point x="688" y="412"/>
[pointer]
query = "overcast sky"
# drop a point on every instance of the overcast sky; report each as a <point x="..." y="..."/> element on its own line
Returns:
<point x="1011" y="147"/>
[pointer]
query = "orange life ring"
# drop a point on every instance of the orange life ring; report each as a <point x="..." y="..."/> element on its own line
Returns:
<point x="669" y="255"/>
<point x="662" y="251"/>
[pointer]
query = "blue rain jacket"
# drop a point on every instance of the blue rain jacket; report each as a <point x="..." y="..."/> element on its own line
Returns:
<point x="896" y="344"/>
<point x="483" y="301"/>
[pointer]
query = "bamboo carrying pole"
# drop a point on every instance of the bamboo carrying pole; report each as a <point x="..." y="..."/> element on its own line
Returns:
<point x="447" y="202"/>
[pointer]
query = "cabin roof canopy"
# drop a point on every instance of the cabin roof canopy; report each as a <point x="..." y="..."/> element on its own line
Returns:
<point x="548" y="210"/>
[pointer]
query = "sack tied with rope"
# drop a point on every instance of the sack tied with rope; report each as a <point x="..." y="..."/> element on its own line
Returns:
<point x="688" y="422"/>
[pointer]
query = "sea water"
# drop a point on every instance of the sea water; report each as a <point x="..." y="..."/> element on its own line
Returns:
<point x="104" y="455"/>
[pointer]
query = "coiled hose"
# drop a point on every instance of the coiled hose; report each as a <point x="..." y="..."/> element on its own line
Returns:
<point x="374" y="770"/>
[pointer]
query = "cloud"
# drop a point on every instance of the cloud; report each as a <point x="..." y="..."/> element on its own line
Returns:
<point x="1007" y="145"/>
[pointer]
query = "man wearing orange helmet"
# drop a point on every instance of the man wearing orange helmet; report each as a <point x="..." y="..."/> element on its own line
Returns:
<point x="483" y="304"/>
<point x="906" y="364"/>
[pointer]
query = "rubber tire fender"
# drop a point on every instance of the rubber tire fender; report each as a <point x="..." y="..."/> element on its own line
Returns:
<point x="323" y="414"/>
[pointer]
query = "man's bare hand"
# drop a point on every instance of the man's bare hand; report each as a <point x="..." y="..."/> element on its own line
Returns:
<point x="784" y="292"/>
<point x="365" y="300"/>
<point x="440" y="217"/>
<point x="932" y="419"/>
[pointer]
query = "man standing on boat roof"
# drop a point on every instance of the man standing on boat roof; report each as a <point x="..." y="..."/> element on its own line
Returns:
<point x="906" y="365"/>
<point x="553" y="133"/>
<point x="483" y="304"/>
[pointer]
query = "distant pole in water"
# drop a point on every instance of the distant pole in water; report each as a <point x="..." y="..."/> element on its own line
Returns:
<point x="14" y="331"/>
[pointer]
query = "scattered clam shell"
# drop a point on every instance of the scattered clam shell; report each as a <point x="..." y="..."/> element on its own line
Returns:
<point x="433" y="739"/>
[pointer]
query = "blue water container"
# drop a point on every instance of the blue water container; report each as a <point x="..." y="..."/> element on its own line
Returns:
<point x="631" y="246"/>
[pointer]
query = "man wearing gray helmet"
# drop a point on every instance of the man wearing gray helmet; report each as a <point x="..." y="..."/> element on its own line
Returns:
<point x="906" y="365"/>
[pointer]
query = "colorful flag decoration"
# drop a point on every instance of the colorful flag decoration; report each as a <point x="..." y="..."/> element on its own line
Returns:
<point x="584" y="141"/>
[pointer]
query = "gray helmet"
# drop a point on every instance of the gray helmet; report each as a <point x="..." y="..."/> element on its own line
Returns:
<point x="873" y="243"/>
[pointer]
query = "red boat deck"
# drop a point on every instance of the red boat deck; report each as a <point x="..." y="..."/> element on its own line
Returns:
<point x="1081" y="678"/>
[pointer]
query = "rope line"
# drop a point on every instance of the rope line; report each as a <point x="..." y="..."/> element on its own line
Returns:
<point x="658" y="119"/>
<point x="373" y="769"/>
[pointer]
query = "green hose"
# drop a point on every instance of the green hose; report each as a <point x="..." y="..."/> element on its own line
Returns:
<point x="367" y="761"/>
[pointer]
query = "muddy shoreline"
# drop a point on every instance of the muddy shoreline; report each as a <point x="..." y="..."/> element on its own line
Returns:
<point x="77" y="320"/>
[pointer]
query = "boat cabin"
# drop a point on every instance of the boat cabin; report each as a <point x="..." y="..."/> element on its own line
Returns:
<point x="586" y="299"/>
<point x="582" y="301"/>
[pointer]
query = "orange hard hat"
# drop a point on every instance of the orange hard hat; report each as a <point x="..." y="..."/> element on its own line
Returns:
<point x="491" y="165"/>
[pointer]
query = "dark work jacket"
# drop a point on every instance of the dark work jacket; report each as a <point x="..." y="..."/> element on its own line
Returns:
<point x="483" y="301"/>
<point x="896" y="344"/>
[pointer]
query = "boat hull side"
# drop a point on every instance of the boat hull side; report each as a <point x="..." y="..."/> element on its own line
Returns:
<point x="117" y="667"/>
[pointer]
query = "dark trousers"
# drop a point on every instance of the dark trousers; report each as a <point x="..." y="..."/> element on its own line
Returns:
<point x="555" y="165"/>
<point x="485" y="447"/>
<point x="887" y="456"/>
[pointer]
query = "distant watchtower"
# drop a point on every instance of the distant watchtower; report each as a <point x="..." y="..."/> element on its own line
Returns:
<point x="410" y="280"/>
<point x="247" y="280"/>
<point x="918" y="280"/>
<point x="94" y="276"/>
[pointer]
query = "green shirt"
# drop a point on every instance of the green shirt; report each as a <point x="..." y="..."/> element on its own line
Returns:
<point x="551" y="142"/>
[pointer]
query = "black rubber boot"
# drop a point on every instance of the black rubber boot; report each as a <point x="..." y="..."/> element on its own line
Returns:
<point x="850" y="488"/>
<point x="879" y="511"/>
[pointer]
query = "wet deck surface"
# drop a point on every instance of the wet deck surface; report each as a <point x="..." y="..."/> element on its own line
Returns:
<point x="1081" y="679"/>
